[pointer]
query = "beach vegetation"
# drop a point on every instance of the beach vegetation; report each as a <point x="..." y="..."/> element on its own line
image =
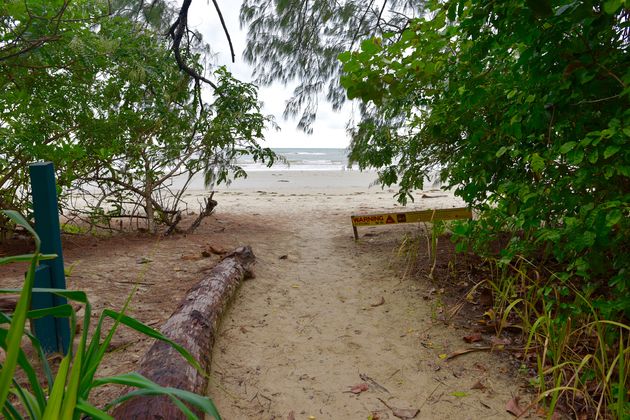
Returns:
<point x="95" y="88"/>
<point x="521" y="107"/>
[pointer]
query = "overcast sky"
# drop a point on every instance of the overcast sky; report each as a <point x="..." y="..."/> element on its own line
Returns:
<point x="329" y="129"/>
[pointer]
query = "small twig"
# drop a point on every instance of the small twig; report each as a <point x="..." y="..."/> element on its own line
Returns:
<point x="376" y="385"/>
<point x="430" y="395"/>
<point x="134" y="282"/>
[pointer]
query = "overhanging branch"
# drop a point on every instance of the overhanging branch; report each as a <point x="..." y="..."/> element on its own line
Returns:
<point x="176" y="32"/>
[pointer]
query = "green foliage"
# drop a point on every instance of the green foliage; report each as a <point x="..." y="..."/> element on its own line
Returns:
<point x="526" y="117"/>
<point x="522" y="107"/>
<point x="295" y="40"/>
<point x="93" y="87"/>
<point x="65" y="395"/>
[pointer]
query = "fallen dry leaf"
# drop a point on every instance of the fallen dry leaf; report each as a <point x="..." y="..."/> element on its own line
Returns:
<point x="243" y="329"/>
<point x="218" y="251"/>
<point x="405" y="413"/>
<point x="478" y="385"/>
<point x="466" y="351"/>
<point x="480" y="367"/>
<point x="359" y="388"/>
<point x="472" y="338"/>
<point x="291" y="416"/>
<point x="402" y="413"/>
<point x="513" y="407"/>
<point x="500" y="341"/>
<point x="379" y="303"/>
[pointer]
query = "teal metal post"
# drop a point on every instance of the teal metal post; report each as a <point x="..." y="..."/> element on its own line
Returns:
<point x="44" y="328"/>
<point x="47" y="226"/>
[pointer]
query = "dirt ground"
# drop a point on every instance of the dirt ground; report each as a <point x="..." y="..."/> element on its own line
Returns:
<point x="324" y="316"/>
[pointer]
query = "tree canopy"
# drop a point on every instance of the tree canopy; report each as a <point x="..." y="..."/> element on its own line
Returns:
<point x="299" y="41"/>
<point x="95" y="88"/>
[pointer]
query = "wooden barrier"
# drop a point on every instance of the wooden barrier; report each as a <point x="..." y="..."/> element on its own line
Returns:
<point x="409" y="217"/>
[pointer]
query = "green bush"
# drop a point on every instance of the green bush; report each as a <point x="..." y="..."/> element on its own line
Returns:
<point x="522" y="107"/>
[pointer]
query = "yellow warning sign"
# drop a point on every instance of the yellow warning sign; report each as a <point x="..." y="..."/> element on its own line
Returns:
<point x="410" y="217"/>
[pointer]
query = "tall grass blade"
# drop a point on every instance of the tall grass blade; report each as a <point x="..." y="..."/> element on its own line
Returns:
<point x="9" y="412"/>
<point x="28" y="400"/>
<point x="150" y="332"/>
<point x="18" y="219"/>
<point x="92" y="411"/>
<point x="148" y="387"/>
<point x="16" y="330"/>
<point x="55" y="400"/>
<point x="25" y="258"/>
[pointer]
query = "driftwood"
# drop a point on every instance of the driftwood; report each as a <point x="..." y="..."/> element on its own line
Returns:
<point x="205" y="211"/>
<point x="192" y="325"/>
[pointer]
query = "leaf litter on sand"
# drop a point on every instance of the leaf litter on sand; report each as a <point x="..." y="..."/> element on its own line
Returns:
<point x="359" y="388"/>
<point x="375" y="384"/>
<point x="472" y="338"/>
<point x="402" y="413"/>
<point x="513" y="407"/>
<point x="478" y="385"/>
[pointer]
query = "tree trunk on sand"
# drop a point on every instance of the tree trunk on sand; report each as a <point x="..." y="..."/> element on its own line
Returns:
<point x="192" y="325"/>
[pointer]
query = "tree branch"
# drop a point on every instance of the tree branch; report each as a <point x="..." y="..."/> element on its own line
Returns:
<point x="227" y="34"/>
<point x="176" y="31"/>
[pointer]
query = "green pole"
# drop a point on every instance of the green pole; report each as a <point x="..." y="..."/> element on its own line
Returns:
<point x="47" y="226"/>
<point x="45" y="329"/>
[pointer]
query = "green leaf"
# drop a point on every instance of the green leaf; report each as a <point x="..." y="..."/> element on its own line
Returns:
<point x="18" y="219"/>
<point x="459" y="394"/>
<point x="370" y="46"/>
<point x="150" y="332"/>
<point x="55" y="401"/>
<point x="613" y="217"/>
<point x="537" y="162"/>
<point x="567" y="147"/>
<point x="575" y="157"/>
<point x="148" y="387"/>
<point x="61" y="311"/>
<point x="16" y="329"/>
<point x="501" y="151"/>
<point x="611" y="6"/>
<point x="611" y="150"/>
<point x="92" y="411"/>
<point x="25" y="258"/>
<point x="345" y="56"/>
<point x="29" y="401"/>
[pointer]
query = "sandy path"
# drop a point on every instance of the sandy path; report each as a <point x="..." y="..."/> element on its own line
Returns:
<point x="298" y="336"/>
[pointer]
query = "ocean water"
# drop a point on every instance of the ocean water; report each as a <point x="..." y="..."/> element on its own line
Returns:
<point x="302" y="159"/>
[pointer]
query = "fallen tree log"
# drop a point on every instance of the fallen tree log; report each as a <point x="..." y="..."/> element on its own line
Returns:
<point x="192" y="325"/>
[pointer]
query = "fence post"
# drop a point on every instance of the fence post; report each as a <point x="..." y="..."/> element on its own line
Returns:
<point x="47" y="226"/>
